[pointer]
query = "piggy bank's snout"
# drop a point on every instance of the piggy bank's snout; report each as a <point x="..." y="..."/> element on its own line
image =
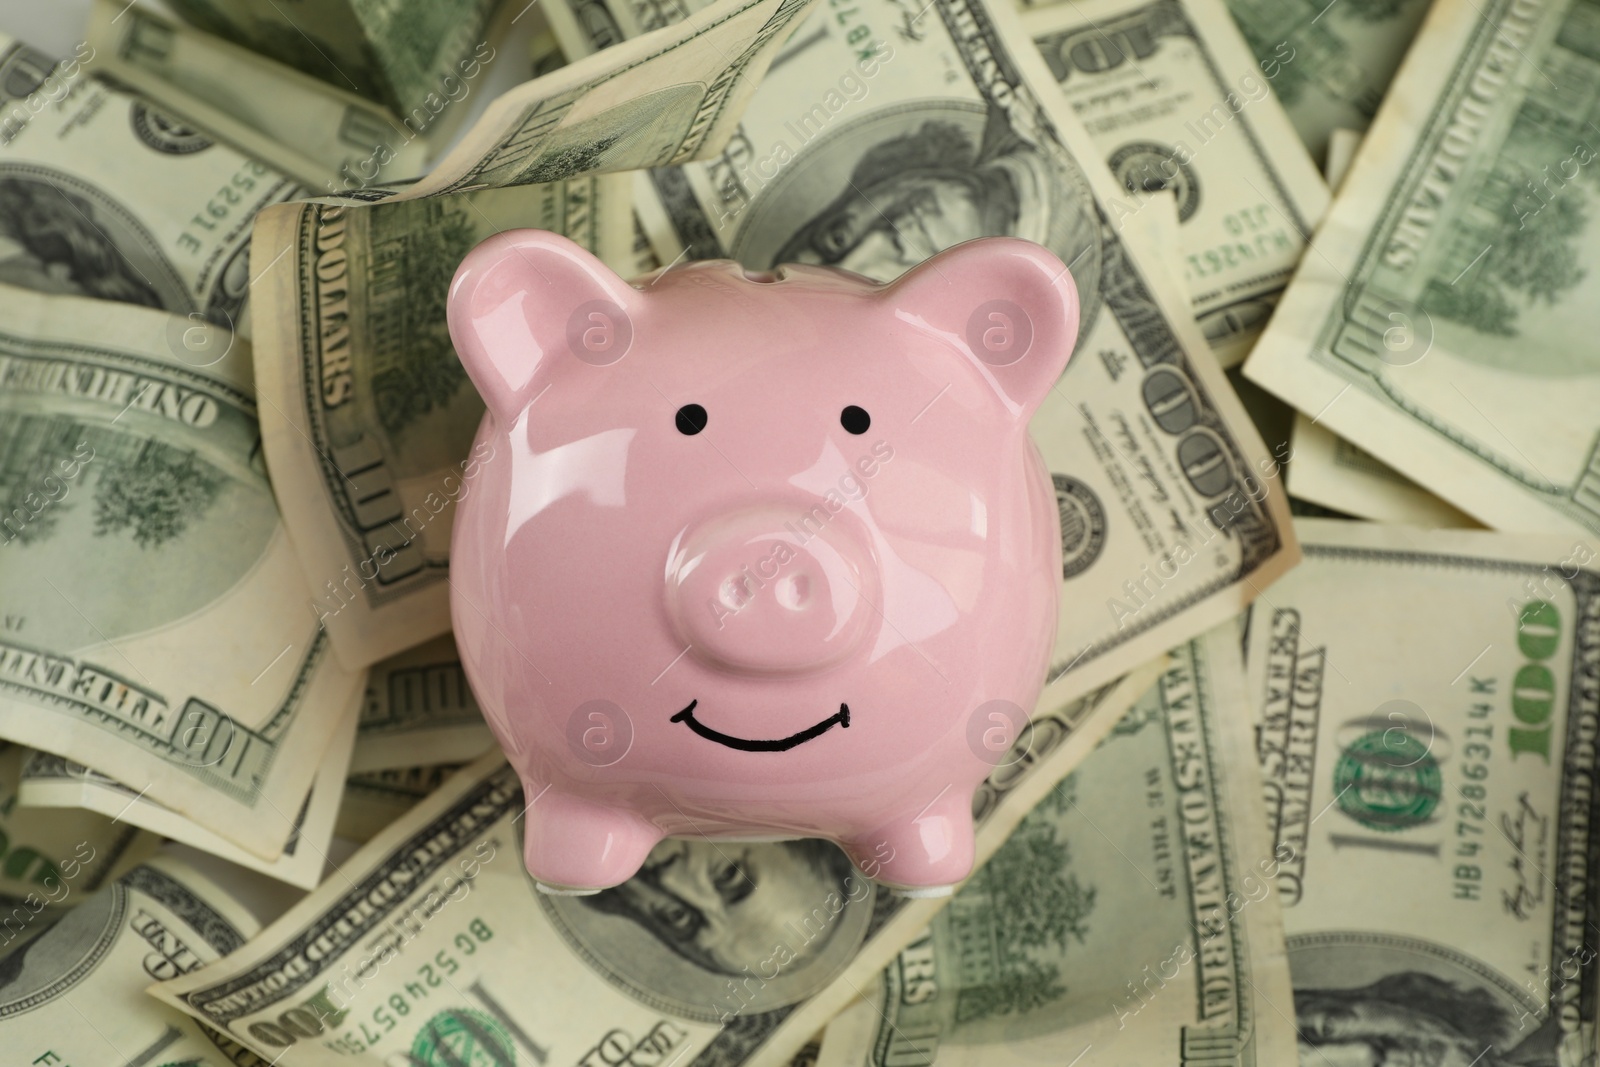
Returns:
<point x="772" y="589"/>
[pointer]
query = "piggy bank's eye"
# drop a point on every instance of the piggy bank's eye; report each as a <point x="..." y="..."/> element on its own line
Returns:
<point x="855" y="419"/>
<point x="691" y="419"/>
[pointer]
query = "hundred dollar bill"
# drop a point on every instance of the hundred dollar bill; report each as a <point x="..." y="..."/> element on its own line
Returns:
<point x="152" y="613"/>
<point x="420" y="710"/>
<point x="75" y="993"/>
<point x="53" y="859"/>
<point x="327" y="139"/>
<point x="1329" y="63"/>
<point x="366" y="413"/>
<point x="1447" y="324"/>
<point x="374" y="799"/>
<point x="883" y="136"/>
<point x="1433" y="798"/>
<point x="395" y="53"/>
<point x="575" y="31"/>
<point x="51" y="782"/>
<point x="104" y="194"/>
<point x="585" y="27"/>
<point x="1129" y="919"/>
<point x="1174" y="103"/>
<point x="434" y="929"/>
<point x="674" y="97"/>
<point x="1330" y="471"/>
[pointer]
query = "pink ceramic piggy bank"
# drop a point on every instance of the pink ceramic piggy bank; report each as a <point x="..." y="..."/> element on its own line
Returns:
<point x="757" y="555"/>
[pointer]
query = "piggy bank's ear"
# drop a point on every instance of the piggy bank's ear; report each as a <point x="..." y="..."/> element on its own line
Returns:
<point x="1009" y="304"/>
<point x="524" y="299"/>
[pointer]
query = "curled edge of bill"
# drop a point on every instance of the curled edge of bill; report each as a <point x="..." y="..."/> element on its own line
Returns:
<point x="858" y="1035"/>
<point x="303" y="859"/>
<point x="251" y="138"/>
<point x="304" y="913"/>
<point x="362" y="633"/>
<point x="500" y="120"/>
<point x="359" y="638"/>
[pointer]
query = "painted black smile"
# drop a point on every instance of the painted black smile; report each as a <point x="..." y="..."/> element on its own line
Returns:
<point x="782" y="744"/>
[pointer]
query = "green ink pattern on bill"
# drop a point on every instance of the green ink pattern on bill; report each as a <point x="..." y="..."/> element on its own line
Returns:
<point x="1434" y="800"/>
<point x="1447" y="325"/>
<point x="130" y="447"/>
<point x="1129" y="917"/>
<point x="462" y="1036"/>
<point x="1387" y="781"/>
<point x="367" y="415"/>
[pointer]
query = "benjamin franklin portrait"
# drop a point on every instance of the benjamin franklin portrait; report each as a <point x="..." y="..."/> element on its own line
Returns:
<point x="920" y="193"/>
<point x="724" y="906"/>
<point x="1412" y="1019"/>
<point x="884" y="192"/>
<point x="715" y="928"/>
<point x="62" y="235"/>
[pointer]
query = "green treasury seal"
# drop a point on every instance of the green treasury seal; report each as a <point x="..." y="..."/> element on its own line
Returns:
<point x="461" y="1037"/>
<point x="1387" y="780"/>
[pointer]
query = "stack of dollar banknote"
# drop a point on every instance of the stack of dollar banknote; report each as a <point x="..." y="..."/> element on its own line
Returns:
<point x="1313" y="776"/>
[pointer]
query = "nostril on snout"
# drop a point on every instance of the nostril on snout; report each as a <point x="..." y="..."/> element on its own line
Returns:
<point x="793" y="592"/>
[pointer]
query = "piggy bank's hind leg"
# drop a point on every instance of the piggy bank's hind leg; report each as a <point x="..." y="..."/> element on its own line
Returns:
<point x="574" y="847"/>
<point x="924" y="853"/>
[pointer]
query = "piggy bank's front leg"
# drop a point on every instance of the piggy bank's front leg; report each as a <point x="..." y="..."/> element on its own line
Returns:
<point x="575" y="846"/>
<point x="924" y="853"/>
